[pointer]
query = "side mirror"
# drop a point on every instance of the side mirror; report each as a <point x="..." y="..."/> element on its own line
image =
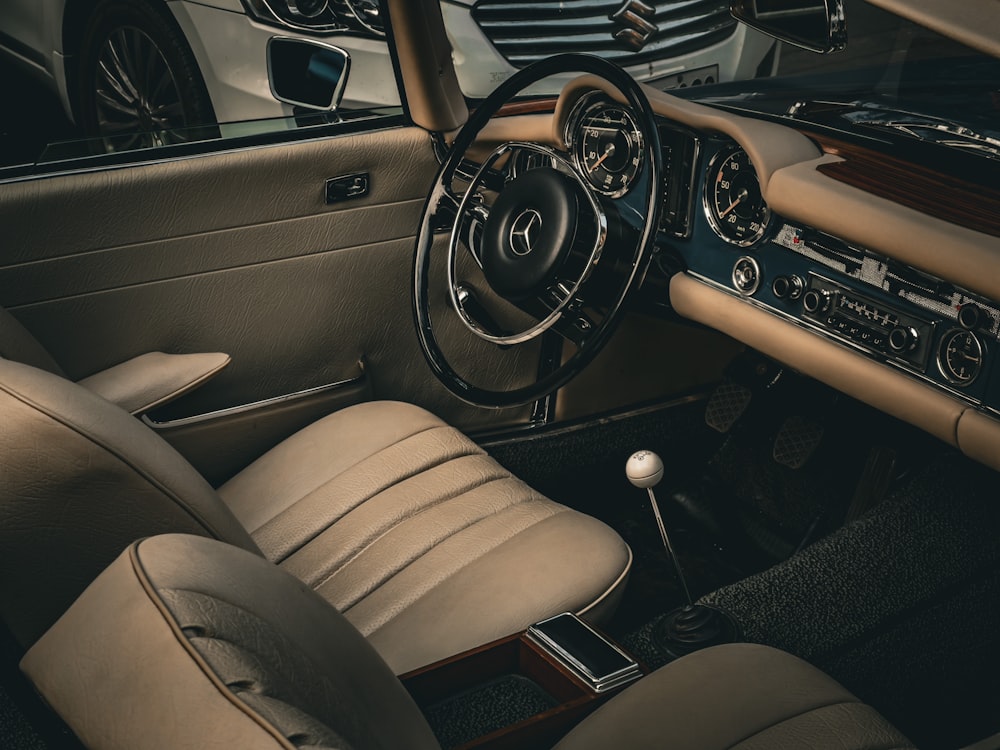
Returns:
<point x="815" y="25"/>
<point x="307" y="74"/>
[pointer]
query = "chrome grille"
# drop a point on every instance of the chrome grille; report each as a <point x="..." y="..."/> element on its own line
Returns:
<point x="524" y="32"/>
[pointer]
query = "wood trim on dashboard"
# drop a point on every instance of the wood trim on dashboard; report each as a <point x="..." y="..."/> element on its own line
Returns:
<point x="544" y="105"/>
<point x="934" y="193"/>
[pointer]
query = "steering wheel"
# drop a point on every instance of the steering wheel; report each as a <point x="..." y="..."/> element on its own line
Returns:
<point x="547" y="240"/>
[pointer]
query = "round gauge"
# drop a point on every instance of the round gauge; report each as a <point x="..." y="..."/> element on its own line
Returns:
<point x="960" y="357"/>
<point x="608" y="148"/>
<point x="735" y="207"/>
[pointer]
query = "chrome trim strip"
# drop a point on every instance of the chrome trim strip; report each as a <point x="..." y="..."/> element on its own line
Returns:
<point x="845" y="343"/>
<point x="263" y="403"/>
<point x="535" y="431"/>
<point x="598" y="683"/>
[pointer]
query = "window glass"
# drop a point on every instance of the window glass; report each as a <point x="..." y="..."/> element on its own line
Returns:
<point x="119" y="76"/>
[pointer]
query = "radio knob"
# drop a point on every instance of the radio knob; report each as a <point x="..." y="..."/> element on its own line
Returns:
<point x="903" y="339"/>
<point x="816" y="301"/>
<point x="787" y="286"/>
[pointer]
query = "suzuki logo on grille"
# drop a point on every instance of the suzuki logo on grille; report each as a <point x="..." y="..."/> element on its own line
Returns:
<point x="637" y="27"/>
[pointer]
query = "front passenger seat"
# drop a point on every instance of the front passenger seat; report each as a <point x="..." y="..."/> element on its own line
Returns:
<point x="424" y="543"/>
<point x="185" y="643"/>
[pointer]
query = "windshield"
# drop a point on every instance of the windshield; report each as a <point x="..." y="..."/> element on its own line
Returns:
<point x="893" y="75"/>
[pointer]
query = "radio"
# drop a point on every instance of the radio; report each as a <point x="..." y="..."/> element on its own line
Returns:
<point x="864" y="321"/>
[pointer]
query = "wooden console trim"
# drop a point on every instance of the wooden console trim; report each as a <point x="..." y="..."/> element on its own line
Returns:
<point x="514" y="654"/>
<point x="931" y="192"/>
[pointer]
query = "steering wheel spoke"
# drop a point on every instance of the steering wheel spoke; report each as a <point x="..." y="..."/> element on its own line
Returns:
<point x="538" y="232"/>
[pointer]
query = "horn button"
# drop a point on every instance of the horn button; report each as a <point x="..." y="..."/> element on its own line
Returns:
<point x="530" y="232"/>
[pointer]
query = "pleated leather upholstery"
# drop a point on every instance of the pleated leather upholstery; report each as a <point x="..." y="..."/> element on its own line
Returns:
<point x="406" y="526"/>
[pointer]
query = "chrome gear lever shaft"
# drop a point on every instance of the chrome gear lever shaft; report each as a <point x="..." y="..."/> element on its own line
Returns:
<point x="690" y="626"/>
<point x="645" y="470"/>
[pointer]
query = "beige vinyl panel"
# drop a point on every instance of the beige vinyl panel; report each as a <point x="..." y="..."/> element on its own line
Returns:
<point x="979" y="437"/>
<point x="955" y="422"/>
<point x="237" y="252"/>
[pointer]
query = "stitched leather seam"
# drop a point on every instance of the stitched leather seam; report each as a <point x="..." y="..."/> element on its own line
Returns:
<point x="243" y="650"/>
<point x="201" y="274"/>
<point x="190" y="385"/>
<point x="403" y="565"/>
<point x="281" y="518"/>
<point x="147" y="585"/>
<point x="415" y="513"/>
<point x="618" y="582"/>
<point x="179" y="501"/>
<point x="142" y="244"/>
<point x="328" y="480"/>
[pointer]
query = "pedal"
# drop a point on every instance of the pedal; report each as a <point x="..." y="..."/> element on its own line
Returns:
<point x="727" y="404"/>
<point x="874" y="482"/>
<point x="797" y="439"/>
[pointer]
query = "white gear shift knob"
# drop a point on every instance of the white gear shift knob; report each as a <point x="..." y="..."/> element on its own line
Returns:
<point x="644" y="469"/>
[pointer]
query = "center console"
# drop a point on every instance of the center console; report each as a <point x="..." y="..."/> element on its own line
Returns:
<point x="523" y="691"/>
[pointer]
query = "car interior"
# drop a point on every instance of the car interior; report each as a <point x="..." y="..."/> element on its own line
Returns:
<point x="614" y="418"/>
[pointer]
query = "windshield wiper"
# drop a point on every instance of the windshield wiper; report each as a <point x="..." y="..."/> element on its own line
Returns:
<point x="928" y="129"/>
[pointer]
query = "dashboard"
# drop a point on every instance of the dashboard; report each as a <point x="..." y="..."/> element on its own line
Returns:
<point x="890" y="304"/>
<point x="867" y="301"/>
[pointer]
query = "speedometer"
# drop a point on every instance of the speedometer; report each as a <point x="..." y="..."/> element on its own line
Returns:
<point x="735" y="207"/>
<point x="608" y="148"/>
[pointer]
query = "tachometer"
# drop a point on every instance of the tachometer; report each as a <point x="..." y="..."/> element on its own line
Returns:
<point x="735" y="207"/>
<point x="608" y="148"/>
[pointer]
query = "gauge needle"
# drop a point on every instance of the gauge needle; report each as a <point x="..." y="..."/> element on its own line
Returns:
<point x="739" y="199"/>
<point x="607" y="152"/>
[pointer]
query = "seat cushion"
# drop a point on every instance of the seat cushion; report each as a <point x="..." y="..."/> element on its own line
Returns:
<point x="425" y="543"/>
<point x="189" y="643"/>
<point x="741" y="696"/>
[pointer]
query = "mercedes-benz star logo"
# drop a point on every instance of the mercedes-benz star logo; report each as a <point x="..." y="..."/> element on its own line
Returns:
<point x="636" y="21"/>
<point x="524" y="231"/>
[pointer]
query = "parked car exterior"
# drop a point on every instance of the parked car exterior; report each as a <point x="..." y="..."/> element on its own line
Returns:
<point x="141" y="65"/>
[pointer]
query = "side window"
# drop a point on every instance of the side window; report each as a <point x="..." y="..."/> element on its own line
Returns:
<point x="90" y="79"/>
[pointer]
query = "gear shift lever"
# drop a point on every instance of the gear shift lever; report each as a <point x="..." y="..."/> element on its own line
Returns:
<point x="645" y="470"/>
<point x="692" y="626"/>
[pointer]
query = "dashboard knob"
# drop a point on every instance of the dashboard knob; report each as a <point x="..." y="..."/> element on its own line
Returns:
<point x="787" y="286"/>
<point x="816" y="301"/>
<point x="903" y="339"/>
<point x="746" y="275"/>
<point x="969" y="317"/>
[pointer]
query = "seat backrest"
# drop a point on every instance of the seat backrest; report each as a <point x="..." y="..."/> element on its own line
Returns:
<point x="185" y="643"/>
<point x="80" y="479"/>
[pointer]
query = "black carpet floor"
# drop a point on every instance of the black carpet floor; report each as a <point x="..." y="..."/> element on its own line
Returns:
<point x="901" y="606"/>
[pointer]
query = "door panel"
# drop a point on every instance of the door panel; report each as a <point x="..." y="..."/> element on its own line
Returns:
<point x="238" y="252"/>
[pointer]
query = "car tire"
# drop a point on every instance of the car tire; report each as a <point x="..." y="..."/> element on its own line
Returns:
<point x="139" y="82"/>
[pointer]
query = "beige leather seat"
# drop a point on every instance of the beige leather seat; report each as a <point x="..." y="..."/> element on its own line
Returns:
<point x="426" y="544"/>
<point x="188" y="643"/>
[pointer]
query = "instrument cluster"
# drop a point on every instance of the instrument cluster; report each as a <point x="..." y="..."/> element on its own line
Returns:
<point x="606" y="145"/>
